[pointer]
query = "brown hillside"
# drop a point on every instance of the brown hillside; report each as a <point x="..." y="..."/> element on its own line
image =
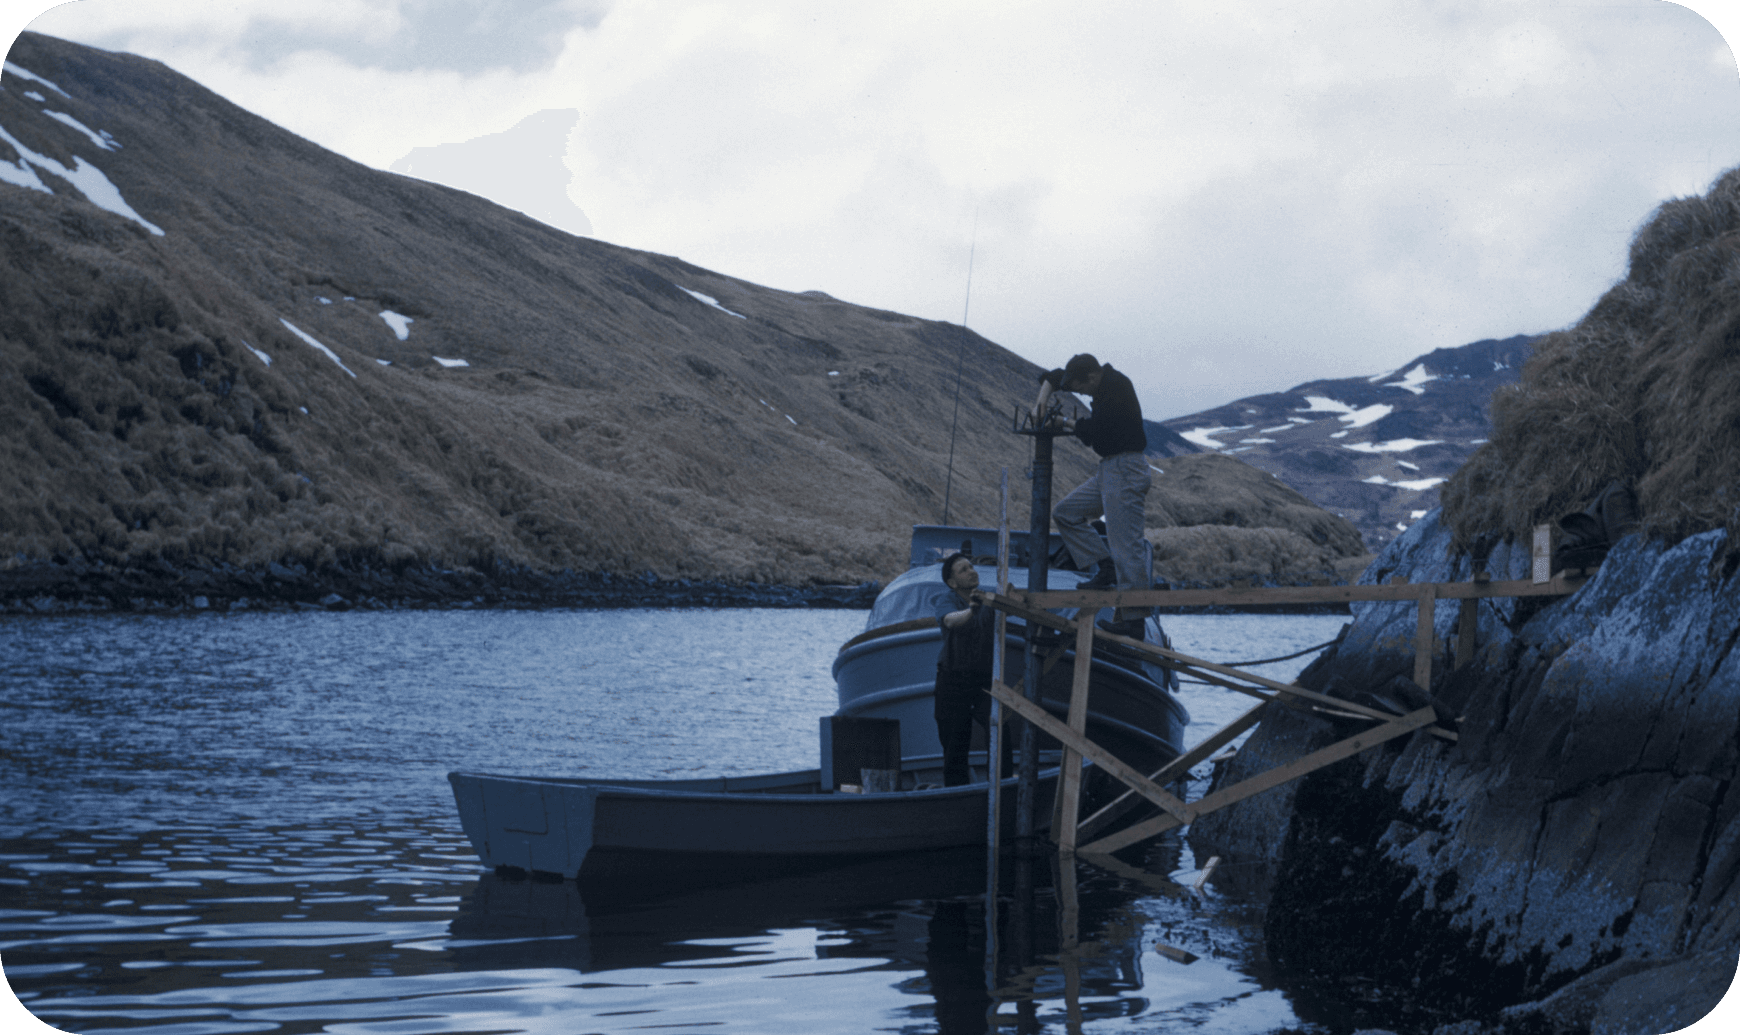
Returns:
<point x="1644" y="389"/>
<point x="608" y="420"/>
<point x="1213" y="518"/>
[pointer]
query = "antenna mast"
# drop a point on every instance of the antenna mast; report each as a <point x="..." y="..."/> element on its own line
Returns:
<point x="960" y="358"/>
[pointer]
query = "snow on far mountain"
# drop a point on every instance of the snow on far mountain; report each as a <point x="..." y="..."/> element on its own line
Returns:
<point x="1413" y="379"/>
<point x="1348" y="465"/>
<point x="450" y="362"/>
<point x="1400" y="445"/>
<point x="1204" y="436"/>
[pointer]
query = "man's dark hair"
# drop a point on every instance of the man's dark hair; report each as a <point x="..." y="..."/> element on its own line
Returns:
<point x="1079" y="366"/>
<point x="949" y="563"/>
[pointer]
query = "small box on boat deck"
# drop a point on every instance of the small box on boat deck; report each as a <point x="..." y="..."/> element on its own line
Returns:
<point x="851" y="744"/>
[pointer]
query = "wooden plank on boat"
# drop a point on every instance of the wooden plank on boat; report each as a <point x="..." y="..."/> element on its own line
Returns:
<point x="1264" y="781"/>
<point x="1086" y="748"/>
<point x="1070" y="784"/>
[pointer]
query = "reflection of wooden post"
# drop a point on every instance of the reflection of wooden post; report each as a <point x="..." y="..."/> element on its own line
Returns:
<point x="1069" y="910"/>
<point x="1070" y="777"/>
<point x="1423" y="638"/>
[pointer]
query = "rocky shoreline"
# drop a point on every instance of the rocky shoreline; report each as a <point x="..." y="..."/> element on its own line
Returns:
<point x="1570" y="863"/>
<point x="74" y="586"/>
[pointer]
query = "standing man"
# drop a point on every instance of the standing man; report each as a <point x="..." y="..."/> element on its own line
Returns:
<point x="1118" y="490"/>
<point x="963" y="669"/>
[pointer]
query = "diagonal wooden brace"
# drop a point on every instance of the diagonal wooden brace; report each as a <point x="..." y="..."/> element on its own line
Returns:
<point x="1086" y="748"/>
<point x="1172" y="770"/>
<point x="1263" y="781"/>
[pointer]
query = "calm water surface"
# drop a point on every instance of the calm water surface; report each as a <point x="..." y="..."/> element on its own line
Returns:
<point x="236" y="823"/>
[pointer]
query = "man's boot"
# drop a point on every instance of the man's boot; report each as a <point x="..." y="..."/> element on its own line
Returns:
<point x="1105" y="578"/>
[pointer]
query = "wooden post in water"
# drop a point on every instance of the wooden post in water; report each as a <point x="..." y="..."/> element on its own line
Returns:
<point x="1069" y="781"/>
<point x="1038" y="562"/>
<point x="994" y="747"/>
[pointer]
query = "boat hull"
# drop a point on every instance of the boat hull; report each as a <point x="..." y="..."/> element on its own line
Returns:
<point x="701" y="831"/>
<point x="894" y="677"/>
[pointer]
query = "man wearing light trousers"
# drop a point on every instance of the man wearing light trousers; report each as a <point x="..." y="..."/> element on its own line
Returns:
<point x="1118" y="490"/>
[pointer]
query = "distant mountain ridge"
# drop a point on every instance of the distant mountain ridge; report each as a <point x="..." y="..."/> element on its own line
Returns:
<point x="1371" y="449"/>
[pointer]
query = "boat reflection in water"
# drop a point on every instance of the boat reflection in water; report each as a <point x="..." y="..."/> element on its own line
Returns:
<point x="1065" y="946"/>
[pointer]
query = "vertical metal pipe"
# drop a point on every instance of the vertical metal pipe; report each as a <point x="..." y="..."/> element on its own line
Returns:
<point x="1038" y="562"/>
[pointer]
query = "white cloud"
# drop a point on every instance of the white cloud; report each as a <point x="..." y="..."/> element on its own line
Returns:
<point x="1219" y="199"/>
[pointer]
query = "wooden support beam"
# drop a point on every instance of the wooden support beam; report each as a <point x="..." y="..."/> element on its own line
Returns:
<point x="1070" y="778"/>
<point x="1042" y="719"/>
<point x="1171" y="771"/>
<point x="1185" y="663"/>
<point x="1559" y="585"/>
<point x="1263" y="781"/>
<point x="1423" y="639"/>
<point x="1466" y="622"/>
<point x="1333" y="703"/>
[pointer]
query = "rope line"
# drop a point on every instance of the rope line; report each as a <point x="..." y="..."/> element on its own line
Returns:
<point x="1261" y="661"/>
<point x="1284" y="657"/>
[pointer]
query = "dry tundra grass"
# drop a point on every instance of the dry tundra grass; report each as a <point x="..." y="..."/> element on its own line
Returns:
<point x="1644" y="389"/>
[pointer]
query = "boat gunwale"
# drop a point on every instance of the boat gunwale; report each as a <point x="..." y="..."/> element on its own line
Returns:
<point x="742" y="795"/>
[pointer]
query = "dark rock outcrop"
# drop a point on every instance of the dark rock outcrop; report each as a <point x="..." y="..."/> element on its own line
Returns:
<point x="1570" y="863"/>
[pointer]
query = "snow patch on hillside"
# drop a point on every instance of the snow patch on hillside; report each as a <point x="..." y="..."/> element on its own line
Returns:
<point x="107" y="143"/>
<point x="450" y="362"/>
<point x="25" y="73"/>
<point x="401" y="325"/>
<point x="305" y="336"/>
<point x="89" y="180"/>
<point x="263" y="357"/>
<point x="709" y="300"/>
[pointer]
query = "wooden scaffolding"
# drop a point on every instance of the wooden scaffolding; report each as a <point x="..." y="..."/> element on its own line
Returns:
<point x="1074" y="833"/>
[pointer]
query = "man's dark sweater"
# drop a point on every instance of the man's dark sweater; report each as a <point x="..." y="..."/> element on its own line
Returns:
<point x="966" y="649"/>
<point x="1116" y="424"/>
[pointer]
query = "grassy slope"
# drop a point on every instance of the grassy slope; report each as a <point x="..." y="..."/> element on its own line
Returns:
<point x="608" y="420"/>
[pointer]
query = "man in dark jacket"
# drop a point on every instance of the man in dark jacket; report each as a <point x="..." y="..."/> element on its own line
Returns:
<point x="1119" y="489"/>
<point x="963" y="668"/>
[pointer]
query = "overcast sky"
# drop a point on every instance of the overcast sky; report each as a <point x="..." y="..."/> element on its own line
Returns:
<point x="1219" y="198"/>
